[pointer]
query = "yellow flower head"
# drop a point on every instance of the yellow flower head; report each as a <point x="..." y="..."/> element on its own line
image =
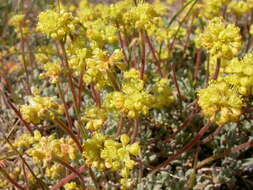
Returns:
<point x="40" y="108"/>
<point x="220" y="39"/>
<point x="238" y="7"/>
<point x="71" y="186"/>
<point x="220" y="103"/>
<point x="56" y="24"/>
<point x="239" y="73"/>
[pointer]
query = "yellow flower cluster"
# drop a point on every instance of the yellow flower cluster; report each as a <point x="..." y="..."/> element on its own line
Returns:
<point x="3" y="183"/>
<point x="101" y="33"/>
<point x="48" y="147"/>
<point x="52" y="71"/>
<point x="211" y="8"/>
<point x="133" y="100"/>
<point x="55" y="172"/>
<point x="95" y="117"/>
<point x="221" y="40"/>
<point x="95" y="18"/>
<point x="250" y="3"/>
<point x="44" y="54"/>
<point x="238" y="7"/>
<point x="239" y="73"/>
<point x="56" y="24"/>
<point x="71" y="186"/>
<point x="77" y="59"/>
<point x="162" y="93"/>
<point x="26" y="140"/>
<point x="142" y="15"/>
<point x="163" y="34"/>
<point x="14" y="173"/>
<point x="115" y="12"/>
<point x="220" y="103"/>
<point x="89" y="12"/>
<point x="40" y="108"/>
<point x="100" y="66"/>
<point x="21" y="25"/>
<point x="102" y="152"/>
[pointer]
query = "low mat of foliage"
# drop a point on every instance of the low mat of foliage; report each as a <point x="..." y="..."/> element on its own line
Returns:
<point x="130" y="94"/>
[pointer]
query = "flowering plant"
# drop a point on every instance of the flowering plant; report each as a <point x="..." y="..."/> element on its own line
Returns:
<point x="106" y="95"/>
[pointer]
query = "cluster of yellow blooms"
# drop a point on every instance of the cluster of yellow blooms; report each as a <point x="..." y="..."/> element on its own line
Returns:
<point x="99" y="67"/>
<point x="71" y="186"/>
<point x="142" y="15"/>
<point x="220" y="103"/>
<point x="102" y="152"/>
<point x="95" y="117"/>
<point x="40" y="108"/>
<point x="162" y="93"/>
<point x="26" y="140"/>
<point x="3" y="183"/>
<point x="221" y="40"/>
<point x="77" y="55"/>
<point x="15" y="174"/>
<point x="238" y="7"/>
<point x="57" y="24"/>
<point x="55" y="172"/>
<point x="52" y="71"/>
<point x="239" y="73"/>
<point x="99" y="30"/>
<point x="222" y="100"/>
<point x="210" y="9"/>
<point x="44" y="54"/>
<point x="133" y="100"/>
<point x="44" y="151"/>
<point x="213" y="8"/>
<point x="21" y="25"/>
<point x="162" y="34"/>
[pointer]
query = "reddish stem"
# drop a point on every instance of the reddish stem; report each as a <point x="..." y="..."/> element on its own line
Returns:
<point x="64" y="60"/>
<point x="25" y="176"/>
<point x="68" y="178"/>
<point x="12" y="181"/>
<point x="120" y="126"/>
<point x="197" y="64"/>
<point x="135" y="57"/>
<point x="217" y="69"/>
<point x="70" y="132"/>
<point x="174" y="78"/>
<point x="65" y="164"/>
<point x="151" y="47"/>
<point x="122" y="43"/>
<point x="210" y="137"/>
<point x="10" y="105"/>
<point x="143" y="51"/>
<point x="24" y="61"/>
<point x="96" y="96"/>
<point x="80" y="87"/>
<point x="70" y="124"/>
<point x="135" y="130"/>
